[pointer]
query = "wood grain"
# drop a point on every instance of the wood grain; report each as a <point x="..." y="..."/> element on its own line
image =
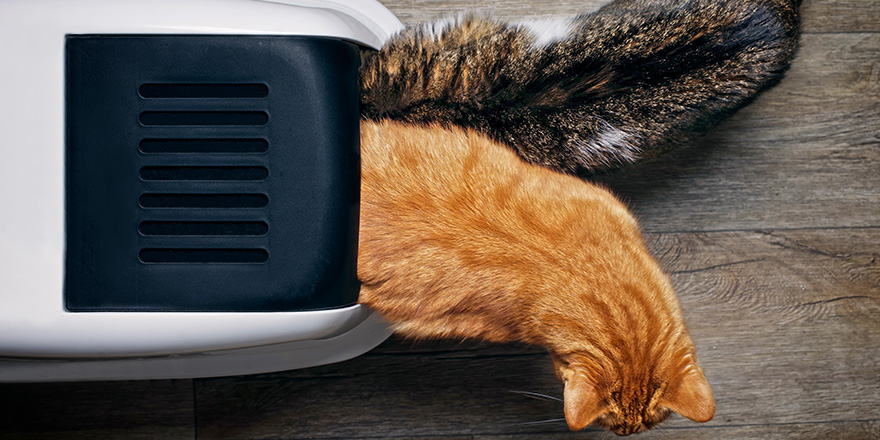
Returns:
<point x="801" y="431"/>
<point x="828" y="16"/>
<point x="99" y="410"/>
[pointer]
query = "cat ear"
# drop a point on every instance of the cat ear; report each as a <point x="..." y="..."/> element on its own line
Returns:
<point x="692" y="397"/>
<point x="582" y="403"/>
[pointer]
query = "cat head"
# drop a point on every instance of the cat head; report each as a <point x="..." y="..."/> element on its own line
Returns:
<point x="632" y="397"/>
<point x="614" y="327"/>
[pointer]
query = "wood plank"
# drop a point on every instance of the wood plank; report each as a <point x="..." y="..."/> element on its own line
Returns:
<point x="98" y="410"/>
<point x="818" y="15"/>
<point x="803" y="155"/>
<point x="381" y="396"/>
<point x="785" y="323"/>
<point x="803" y="431"/>
<point x="841" y="15"/>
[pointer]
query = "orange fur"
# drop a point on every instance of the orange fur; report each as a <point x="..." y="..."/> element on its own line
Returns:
<point x="461" y="239"/>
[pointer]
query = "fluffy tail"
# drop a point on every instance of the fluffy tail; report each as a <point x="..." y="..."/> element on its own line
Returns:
<point x="591" y="93"/>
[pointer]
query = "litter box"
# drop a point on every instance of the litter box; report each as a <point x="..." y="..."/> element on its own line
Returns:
<point x="179" y="187"/>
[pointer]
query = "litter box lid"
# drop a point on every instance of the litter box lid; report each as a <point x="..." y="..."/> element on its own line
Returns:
<point x="34" y="322"/>
<point x="366" y="22"/>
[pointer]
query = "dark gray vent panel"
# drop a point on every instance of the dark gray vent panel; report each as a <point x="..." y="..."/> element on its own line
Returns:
<point x="211" y="173"/>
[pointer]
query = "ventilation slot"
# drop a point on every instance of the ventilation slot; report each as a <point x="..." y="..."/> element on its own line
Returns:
<point x="204" y="91"/>
<point x="204" y="201"/>
<point x="242" y="228"/>
<point x="154" y="146"/>
<point x="240" y="118"/>
<point x="204" y="173"/>
<point x="204" y="255"/>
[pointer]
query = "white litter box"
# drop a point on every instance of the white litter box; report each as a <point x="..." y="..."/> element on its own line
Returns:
<point x="179" y="186"/>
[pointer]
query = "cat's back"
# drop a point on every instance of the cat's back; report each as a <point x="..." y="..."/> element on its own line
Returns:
<point x="433" y="176"/>
<point x="455" y="224"/>
<point x="402" y="161"/>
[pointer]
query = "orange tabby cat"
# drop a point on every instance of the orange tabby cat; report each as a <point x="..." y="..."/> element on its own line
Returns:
<point x="461" y="238"/>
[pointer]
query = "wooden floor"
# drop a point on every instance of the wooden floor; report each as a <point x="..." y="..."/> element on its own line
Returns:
<point x="770" y="227"/>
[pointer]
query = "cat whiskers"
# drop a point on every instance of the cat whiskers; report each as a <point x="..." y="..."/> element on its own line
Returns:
<point x="537" y="396"/>
<point x="538" y="422"/>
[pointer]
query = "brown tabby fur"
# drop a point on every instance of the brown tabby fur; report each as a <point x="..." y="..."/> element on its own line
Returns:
<point x="626" y="82"/>
<point x="461" y="238"/>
